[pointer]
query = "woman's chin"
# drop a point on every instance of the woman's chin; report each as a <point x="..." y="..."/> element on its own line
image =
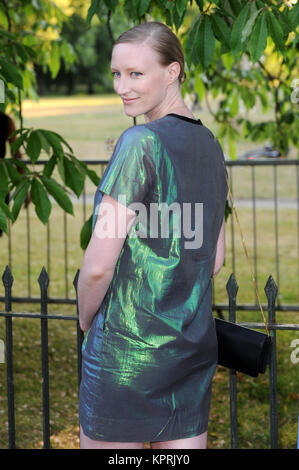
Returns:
<point x="131" y="113"/>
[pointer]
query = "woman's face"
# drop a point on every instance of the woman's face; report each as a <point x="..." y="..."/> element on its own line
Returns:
<point x="139" y="76"/>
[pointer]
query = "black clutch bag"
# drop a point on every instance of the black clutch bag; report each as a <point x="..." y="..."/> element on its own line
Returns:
<point x="241" y="348"/>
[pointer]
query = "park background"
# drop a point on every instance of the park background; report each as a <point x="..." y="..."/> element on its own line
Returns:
<point x="67" y="89"/>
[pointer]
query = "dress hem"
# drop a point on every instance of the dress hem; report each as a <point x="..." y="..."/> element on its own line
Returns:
<point x="200" y="430"/>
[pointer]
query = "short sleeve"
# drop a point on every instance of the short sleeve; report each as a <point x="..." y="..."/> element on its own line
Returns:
<point x="130" y="172"/>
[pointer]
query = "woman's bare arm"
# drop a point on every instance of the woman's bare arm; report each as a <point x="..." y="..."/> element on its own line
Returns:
<point x="101" y="256"/>
<point x="220" y="250"/>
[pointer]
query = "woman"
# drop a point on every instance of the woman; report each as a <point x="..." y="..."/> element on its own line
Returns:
<point x="144" y="294"/>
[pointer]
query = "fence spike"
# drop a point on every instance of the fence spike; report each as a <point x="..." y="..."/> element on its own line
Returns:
<point x="43" y="279"/>
<point x="232" y="287"/>
<point x="271" y="290"/>
<point x="7" y="277"/>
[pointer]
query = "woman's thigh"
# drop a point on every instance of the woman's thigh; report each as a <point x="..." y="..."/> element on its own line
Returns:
<point x="87" y="443"/>
<point x="196" y="442"/>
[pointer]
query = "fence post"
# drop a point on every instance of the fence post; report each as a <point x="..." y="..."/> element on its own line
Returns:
<point x="232" y="289"/>
<point x="7" y="279"/>
<point x="43" y="281"/>
<point x="271" y="293"/>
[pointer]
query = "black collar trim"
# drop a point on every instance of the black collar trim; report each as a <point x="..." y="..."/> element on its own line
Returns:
<point x="186" y="118"/>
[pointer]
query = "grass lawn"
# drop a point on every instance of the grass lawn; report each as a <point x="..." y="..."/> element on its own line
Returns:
<point x="86" y="122"/>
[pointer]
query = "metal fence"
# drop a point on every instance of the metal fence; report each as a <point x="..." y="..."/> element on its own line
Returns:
<point x="44" y="317"/>
<point x="83" y="210"/>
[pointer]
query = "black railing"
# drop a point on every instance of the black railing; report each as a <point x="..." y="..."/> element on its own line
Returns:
<point x="44" y="317"/>
<point x="84" y="205"/>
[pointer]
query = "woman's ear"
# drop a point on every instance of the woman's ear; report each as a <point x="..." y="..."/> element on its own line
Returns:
<point x="173" y="71"/>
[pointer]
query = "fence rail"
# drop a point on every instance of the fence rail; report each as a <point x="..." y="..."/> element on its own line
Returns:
<point x="271" y="291"/>
<point x="87" y="197"/>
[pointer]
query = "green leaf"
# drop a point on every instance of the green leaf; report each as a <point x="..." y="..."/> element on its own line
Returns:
<point x="206" y="42"/>
<point x="234" y="106"/>
<point x="3" y="221"/>
<point x="54" y="141"/>
<point x="14" y="133"/>
<point x="5" y="209"/>
<point x="293" y="16"/>
<point x="248" y="97"/>
<point x="18" y="142"/>
<point x="264" y="100"/>
<point x="275" y="31"/>
<point x="93" y="10"/>
<point x="228" y="60"/>
<point x="250" y="23"/>
<point x="11" y="73"/>
<point x="73" y="178"/>
<point x="59" y="137"/>
<point x="44" y="142"/>
<point x="130" y="10"/>
<point x="19" y="197"/>
<point x="200" y="4"/>
<point x="221" y="30"/>
<point x="235" y="6"/>
<point x="49" y="166"/>
<point x="111" y="4"/>
<point x="21" y="51"/>
<point x="34" y="146"/>
<point x="181" y="6"/>
<point x="92" y="175"/>
<point x="177" y="19"/>
<point x="41" y="201"/>
<point x="286" y="24"/>
<point x="258" y="40"/>
<point x="232" y="147"/>
<point x="3" y="180"/>
<point x="199" y="87"/>
<point x="85" y="233"/>
<point x="54" y="62"/>
<point x="239" y="24"/>
<point x="191" y="43"/>
<point x="61" y="168"/>
<point x="16" y="162"/>
<point x="142" y="7"/>
<point x="58" y="193"/>
<point x="13" y="173"/>
<point x="5" y="33"/>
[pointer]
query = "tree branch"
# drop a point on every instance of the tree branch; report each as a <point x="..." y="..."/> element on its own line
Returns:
<point x="14" y="60"/>
<point x="109" y="27"/>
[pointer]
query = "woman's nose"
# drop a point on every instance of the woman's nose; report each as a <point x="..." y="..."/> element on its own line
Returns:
<point x="122" y="86"/>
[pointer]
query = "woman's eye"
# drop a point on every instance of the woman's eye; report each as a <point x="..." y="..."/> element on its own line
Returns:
<point x="113" y="73"/>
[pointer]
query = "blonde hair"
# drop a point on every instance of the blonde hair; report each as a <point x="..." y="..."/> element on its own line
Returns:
<point x="161" y="39"/>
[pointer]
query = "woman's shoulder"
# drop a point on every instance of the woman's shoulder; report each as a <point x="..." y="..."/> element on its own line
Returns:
<point x="139" y="136"/>
<point x="138" y="131"/>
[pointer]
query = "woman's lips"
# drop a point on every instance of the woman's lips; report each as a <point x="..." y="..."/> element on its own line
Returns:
<point x="126" y="101"/>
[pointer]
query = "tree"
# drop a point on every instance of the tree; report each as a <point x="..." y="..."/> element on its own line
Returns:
<point x="242" y="50"/>
<point x="245" y="51"/>
<point x="30" y="34"/>
<point x="92" y="47"/>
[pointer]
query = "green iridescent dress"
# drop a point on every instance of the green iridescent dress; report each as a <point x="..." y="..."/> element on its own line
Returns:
<point x="150" y="355"/>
